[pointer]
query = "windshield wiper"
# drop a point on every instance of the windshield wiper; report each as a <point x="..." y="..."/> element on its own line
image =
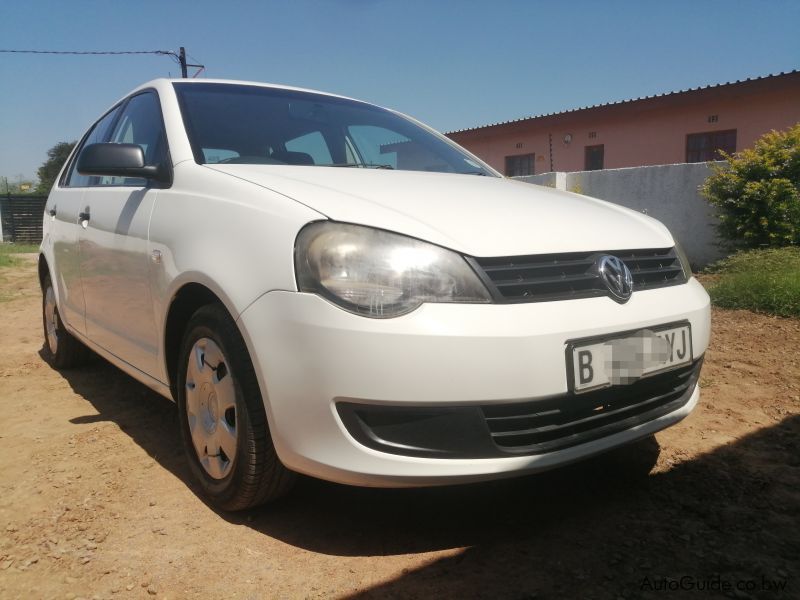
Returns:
<point x="481" y="173"/>
<point x="359" y="165"/>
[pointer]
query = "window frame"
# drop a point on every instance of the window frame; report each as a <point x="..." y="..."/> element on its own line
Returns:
<point x="73" y="158"/>
<point x="121" y="105"/>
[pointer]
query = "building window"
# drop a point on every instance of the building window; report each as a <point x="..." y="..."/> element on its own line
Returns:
<point x="594" y="158"/>
<point x="702" y="147"/>
<point x="521" y="164"/>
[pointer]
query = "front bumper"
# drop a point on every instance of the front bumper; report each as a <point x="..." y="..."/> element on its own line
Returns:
<point x="311" y="357"/>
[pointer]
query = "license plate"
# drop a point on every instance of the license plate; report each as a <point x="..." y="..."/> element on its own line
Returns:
<point x="622" y="359"/>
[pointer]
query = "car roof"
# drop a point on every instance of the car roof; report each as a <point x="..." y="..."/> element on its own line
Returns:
<point x="165" y="81"/>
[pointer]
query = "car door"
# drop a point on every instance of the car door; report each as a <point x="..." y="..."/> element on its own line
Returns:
<point x="63" y="208"/>
<point x="114" y="244"/>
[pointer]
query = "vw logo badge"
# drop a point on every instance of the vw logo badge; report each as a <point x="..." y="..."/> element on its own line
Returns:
<point x="616" y="276"/>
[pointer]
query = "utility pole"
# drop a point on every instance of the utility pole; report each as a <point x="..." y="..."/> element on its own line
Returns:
<point x="182" y="59"/>
<point x="184" y="65"/>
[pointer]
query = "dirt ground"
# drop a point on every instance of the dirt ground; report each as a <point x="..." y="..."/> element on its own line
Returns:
<point x="96" y="500"/>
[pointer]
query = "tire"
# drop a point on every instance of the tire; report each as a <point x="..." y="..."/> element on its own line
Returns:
<point x="223" y="424"/>
<point x="633" y="461"/>
<point x="61" y="349"/>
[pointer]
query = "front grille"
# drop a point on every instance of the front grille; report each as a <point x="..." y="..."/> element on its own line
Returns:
<point x="546" y="425"/>
<point x="547" y="277"/>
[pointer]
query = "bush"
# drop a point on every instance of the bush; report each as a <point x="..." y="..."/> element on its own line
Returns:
<point x="762" y="280"/>
<point x="757" y="192"/>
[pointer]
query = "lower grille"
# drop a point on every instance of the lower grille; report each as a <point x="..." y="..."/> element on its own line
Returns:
<point x="548" y="277"/>
<point x="546" y="425"/>
<point x="533" y="427"/>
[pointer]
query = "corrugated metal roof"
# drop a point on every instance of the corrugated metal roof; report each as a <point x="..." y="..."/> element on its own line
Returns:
<point x="617" y="102"/>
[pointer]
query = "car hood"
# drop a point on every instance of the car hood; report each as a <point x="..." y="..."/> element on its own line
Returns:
<point x="475" y="215"/>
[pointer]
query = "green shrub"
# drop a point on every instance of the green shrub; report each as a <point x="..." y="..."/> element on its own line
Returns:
<point x="761" y="280"/>
<point x="757" y="192"/>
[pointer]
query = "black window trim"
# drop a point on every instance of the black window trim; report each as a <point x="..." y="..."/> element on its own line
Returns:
<point x="121" y="105"/>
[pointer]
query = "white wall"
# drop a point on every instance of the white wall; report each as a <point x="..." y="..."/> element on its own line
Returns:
<point x="668" y="193"/>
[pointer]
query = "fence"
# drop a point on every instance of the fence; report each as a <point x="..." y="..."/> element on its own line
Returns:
<point x="668" y="193"/>
<point x="21" y="219"/>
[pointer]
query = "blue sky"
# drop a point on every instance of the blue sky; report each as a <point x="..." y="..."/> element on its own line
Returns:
<point x="449" y="63"/>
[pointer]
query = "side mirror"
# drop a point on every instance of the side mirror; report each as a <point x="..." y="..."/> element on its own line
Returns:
<point x="119" y="160"/>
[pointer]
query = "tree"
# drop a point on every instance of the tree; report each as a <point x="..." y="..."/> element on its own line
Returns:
<point x="57" y="156"/>
<point x="22" y="186"/>
<point x="757" y="192"/>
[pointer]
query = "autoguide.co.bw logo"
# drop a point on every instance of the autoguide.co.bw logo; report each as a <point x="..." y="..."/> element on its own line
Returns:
<point x="689" y="583"/>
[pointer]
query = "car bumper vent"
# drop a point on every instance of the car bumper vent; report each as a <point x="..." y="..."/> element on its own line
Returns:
<point x="546" y="425"/>
<point x="517" y="428"/>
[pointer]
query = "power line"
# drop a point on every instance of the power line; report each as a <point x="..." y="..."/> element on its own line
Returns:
<point x="179" y="57"/>
<point x="166" y="52"/>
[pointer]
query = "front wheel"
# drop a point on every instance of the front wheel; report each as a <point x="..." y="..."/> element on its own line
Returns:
<point x="223" y="423"/>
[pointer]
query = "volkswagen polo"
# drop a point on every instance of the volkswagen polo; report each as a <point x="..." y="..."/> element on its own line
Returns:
<point x="328" y="287"/>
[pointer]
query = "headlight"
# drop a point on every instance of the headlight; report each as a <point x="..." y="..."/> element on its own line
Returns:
<point x="379" y="274"/>
<point x="684" y="260"/>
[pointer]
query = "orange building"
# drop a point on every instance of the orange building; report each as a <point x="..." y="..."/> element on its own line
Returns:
<point x="675" y="127"/>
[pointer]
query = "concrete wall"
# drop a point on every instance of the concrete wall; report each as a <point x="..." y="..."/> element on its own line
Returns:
<point x="668" y="193"/>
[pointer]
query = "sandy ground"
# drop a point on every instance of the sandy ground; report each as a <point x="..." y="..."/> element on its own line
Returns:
<point x="96" y="500"/>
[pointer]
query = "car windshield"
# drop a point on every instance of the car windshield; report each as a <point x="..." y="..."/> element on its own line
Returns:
<point x="245" y="124"/>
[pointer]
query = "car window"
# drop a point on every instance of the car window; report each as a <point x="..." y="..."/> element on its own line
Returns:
<point x="98" y="134"/>
<point x="274" y="126"/>
<point x="312" y="144"/>
<point x="140" y="123"/>
<point x="380" y="146"/>
<point x="215" y="155"/>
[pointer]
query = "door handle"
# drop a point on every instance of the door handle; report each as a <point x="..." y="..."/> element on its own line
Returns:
<point x="83" y="218"/>
<point x="52" y="212"/>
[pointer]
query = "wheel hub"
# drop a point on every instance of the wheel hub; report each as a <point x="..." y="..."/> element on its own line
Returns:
<point x="211" y="408"/>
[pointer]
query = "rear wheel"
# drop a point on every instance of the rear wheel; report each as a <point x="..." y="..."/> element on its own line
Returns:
<point x="61" y="348"/>
<point x="223" y="423"/>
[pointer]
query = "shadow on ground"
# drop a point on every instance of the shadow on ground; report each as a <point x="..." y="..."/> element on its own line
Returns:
<point x="599" y="529"/>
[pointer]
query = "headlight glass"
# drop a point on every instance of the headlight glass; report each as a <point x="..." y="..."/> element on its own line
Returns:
<point x="687" y="267"/>
<point x="379" y="274"/>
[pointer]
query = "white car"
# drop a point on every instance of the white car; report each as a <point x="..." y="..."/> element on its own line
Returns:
<point x="331" y="288"/>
